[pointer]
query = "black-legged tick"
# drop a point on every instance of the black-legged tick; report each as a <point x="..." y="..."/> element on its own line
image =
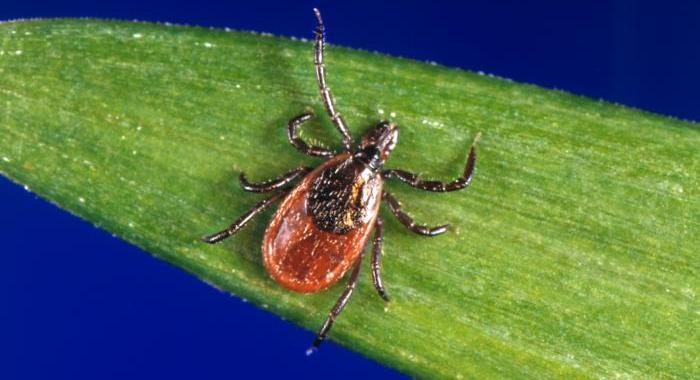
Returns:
<point x="321" y="227"/>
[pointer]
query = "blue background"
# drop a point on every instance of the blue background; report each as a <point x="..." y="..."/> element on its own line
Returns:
<point x="77" y="303"/>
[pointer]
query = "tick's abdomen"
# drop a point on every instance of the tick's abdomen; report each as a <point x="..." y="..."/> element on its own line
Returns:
<point x="322" y="226"/>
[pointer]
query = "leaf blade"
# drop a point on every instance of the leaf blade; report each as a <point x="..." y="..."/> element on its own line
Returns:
<point x="574" y="258"/>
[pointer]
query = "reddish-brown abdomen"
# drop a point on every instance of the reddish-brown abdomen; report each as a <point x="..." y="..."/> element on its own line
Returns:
<point x="298" y="254"/>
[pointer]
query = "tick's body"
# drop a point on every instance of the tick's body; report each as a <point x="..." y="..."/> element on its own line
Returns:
<point x="322" y="226"/>
<point x="324" y="222"/>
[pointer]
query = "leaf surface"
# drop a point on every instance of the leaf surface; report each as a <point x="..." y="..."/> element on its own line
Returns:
<point x="573" y="253"/>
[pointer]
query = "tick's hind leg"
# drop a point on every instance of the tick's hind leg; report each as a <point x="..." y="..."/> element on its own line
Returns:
<point x="437" y="186"/>
<point x="245" y="218"/>
<point x="301" y="145"/>
<point x="406" y="219"/>
<point x="338" y="307"/>
<point x="377" y="259"/>
<point x="273" y="184"/>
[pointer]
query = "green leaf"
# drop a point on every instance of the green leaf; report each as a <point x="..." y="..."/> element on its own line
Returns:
<point x="573" y="253"/>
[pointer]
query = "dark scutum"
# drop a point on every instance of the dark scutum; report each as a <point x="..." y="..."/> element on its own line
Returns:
<point x="335" y="200"/>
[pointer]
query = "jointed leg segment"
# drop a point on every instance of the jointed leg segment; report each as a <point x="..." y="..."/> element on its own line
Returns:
<point x="273" y="184"/>
<point x="245" y="218"/>
<point x="294" y="139"/>
<point x="377" y="259"/>
<point x="328" y="102"/>
<point x="406" y="219"/>
<point x="436" y="186"/>
<point x="338" y="307"/>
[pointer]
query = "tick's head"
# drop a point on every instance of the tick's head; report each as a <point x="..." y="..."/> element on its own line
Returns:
<point x="377" y="144"/>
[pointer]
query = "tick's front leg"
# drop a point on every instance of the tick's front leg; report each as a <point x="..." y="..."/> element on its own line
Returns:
<point x="437" y="186"/>
<point x="301" y="145"/>
<point x="324" y="90"/>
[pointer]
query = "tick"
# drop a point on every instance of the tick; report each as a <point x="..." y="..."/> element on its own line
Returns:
<point x="324" y="221"/>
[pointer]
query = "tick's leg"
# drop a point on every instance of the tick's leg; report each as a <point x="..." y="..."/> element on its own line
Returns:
<point x="245" y="218"/>
<point x="273" y="184"/>
<point x="459" y="183"/>
<point x="294" y="139"/>
<point x="328" y="101"/>
<point x="338" y="307"/>
<point x="407" y="221"/>
<point x="377" y="259"/>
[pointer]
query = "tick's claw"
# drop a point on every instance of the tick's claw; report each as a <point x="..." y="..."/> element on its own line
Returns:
<point x="318" y="17"/>
<point x="210" y="239"/>
<point x="385" y="296"/>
